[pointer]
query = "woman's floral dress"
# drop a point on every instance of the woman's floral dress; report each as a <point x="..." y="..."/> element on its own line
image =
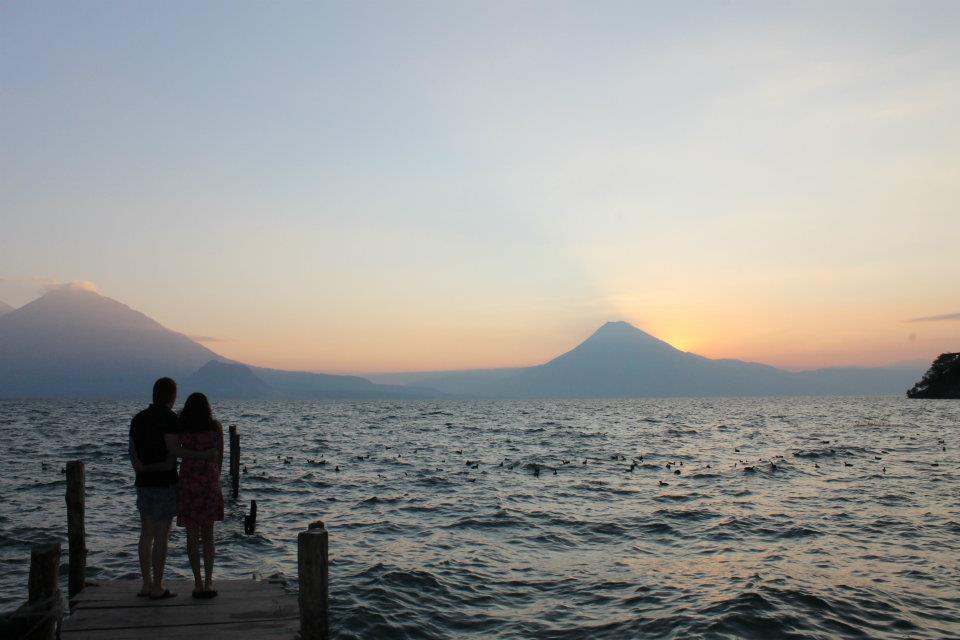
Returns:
<point x="199" y="497"/>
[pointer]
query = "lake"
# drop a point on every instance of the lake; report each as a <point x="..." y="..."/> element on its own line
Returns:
<point x="789" y="518"/>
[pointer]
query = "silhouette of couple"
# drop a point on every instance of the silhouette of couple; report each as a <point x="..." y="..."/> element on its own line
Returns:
<point x="158" y="437"/>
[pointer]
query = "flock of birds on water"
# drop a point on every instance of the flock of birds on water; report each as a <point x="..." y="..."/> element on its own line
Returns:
<point x="677" y="467"/>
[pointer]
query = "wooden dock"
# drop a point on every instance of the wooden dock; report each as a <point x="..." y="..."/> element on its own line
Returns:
<point x="112" y="611"/>
<point x="243" y="609"/>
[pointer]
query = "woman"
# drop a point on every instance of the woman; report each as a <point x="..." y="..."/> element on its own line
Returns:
<point x="199" y="498"/>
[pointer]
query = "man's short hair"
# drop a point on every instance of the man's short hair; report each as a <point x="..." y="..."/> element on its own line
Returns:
<point x="164" y="390"/>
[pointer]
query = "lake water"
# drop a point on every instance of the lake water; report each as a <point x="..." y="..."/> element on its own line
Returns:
<point x="443" y="529"/>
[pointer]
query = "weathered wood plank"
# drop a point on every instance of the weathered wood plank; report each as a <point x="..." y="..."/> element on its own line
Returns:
<point x="243" y="609"/>
<point x="202" y="613"/>
<point x="245" y="603"/>
<point x="124" y="592"/>
<point x="265" y="630"/>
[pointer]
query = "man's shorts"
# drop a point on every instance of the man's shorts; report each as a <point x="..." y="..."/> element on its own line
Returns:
<point x="159" y="503"/>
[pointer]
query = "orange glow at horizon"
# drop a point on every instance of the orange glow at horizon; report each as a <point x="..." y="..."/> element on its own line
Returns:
<point x="790" y="342"/>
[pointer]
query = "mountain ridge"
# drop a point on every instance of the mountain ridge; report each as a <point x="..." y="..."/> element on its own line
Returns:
<point x="75" y="343"/>
<point x="620" y="360"/>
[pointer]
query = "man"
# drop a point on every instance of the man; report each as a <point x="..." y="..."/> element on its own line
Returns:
<point x="156" y="483"/>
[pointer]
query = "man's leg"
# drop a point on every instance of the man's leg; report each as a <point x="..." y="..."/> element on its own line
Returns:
<point x="160" y="539"/>
<point x="145" y="550"/>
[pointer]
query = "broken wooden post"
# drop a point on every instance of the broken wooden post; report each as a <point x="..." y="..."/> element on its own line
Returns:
<point x="76" y="527"/>
<point x="312" y="568"/>
<point x="235" y="460"/>
<point x="250" y="522"/>
<point x="41" y="614"/>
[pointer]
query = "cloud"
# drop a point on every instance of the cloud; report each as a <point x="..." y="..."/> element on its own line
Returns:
<point x="82" y="285"/>
<point x="946" y="316"/>
<point x="207" y="339"/>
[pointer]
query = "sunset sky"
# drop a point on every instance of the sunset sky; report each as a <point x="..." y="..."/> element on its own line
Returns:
<point x="399" y="186"/>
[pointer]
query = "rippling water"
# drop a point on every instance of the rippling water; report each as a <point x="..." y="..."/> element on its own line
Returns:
<point x="790" y="518"/>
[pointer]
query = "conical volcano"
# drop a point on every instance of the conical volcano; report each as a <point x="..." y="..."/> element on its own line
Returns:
<point x="620" y="360"/>
<point x="72" y="342"/>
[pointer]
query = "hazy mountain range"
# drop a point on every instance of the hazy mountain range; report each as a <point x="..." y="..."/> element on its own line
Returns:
<point x="73" y="343"/>
<point x="619" y="360"/>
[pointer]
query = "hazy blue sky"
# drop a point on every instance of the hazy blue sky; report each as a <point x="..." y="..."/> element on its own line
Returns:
<point x="414" y="185"/>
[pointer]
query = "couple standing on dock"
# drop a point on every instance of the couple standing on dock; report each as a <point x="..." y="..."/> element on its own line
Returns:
<point x="158" y="436"/>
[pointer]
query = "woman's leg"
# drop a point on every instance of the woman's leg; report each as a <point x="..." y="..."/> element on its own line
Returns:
<point x="193" y="552"/>
<point x="208" y="553"/>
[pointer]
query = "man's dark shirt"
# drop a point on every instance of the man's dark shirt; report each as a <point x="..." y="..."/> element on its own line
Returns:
<point x="147" y="430"/>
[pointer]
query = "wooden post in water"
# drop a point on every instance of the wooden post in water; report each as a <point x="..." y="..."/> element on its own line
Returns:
<point x="43" y="601"/>
<point x="235" y="460"/>
<point x="312" y="568"/>
<point x="250" y="521"/>
<point x="76" y="527"/>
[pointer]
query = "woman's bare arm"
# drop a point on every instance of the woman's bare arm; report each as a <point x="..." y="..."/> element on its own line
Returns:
<point x="172" y="441"/>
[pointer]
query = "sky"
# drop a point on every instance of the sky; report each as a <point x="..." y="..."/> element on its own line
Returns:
<point x="406" y="186"/>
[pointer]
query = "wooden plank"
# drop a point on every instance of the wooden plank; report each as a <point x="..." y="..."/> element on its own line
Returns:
<point x="220" y="602"/>
<point x="123" y="592"/>
<point x="244" y="609"/>
<point x="249" y="609"/>
<point x="268" y="630"/>
<point x="233" y="583"/>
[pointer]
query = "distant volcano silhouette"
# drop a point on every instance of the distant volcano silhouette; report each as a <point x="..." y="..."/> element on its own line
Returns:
<point x="621" y="361"/>
<point x="613" y="337"/>
<point x="75" y="343"/>
<point x="5" y="308"/>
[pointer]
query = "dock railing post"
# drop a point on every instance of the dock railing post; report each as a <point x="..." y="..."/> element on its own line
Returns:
<point x="41" y="614"/>
<point x="76" y="527"/>
<point x="312" y="569"/>
<point x="235" y="460"/>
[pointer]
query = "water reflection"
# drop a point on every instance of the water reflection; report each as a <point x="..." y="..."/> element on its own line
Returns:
<point x="790" y="517"/>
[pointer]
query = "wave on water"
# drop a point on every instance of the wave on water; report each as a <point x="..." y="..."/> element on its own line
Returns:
<point x="674" y="518"/>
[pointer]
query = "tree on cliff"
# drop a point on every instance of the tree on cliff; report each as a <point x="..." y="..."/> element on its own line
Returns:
<point x="942" y="380"/>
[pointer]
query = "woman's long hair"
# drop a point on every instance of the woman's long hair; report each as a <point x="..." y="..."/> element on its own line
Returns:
<point x="197" y="414"/>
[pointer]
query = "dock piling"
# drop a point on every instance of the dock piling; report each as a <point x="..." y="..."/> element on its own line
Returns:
<point x="41" y="613"/>
<point x="235" y="460"/>
<point x="76" y="527"/>
<point x="250" y="522"/>
<point x="313" y="571"/>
